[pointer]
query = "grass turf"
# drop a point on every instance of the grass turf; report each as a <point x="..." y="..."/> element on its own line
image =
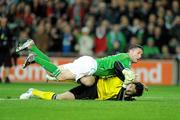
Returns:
<point x="159" y="103"/>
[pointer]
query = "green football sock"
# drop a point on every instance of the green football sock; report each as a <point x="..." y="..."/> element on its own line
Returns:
<point x="39" y="53"/>
<point x="53" y="69"/>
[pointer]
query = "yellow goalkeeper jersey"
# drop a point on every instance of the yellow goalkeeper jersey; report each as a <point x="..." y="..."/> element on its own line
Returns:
<point x="108" y="88"/>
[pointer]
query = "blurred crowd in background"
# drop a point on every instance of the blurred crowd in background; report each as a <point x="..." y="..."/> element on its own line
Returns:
<point x="93" y="27"/>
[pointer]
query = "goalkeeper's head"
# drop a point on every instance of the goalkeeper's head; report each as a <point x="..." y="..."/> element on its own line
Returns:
<point x="139" y="89"/>
<point x="136" y="90"/>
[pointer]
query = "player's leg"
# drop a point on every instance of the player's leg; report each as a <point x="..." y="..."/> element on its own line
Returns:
<point x="37" y="93"/>
<point x="57" y="71"/>
<point x="50" y="67"/>
<point x="52" y="96"/>
<point x="43" y="60"/>
<point x="79" y="92"/>
<point x="30" y="45"/>
<point x="46" y="95"/>
<point x="76" y="70"/>
<point x="87" y="80"/>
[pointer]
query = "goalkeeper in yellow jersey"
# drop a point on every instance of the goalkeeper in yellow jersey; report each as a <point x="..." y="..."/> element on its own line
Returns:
<point x="84" y="68"/>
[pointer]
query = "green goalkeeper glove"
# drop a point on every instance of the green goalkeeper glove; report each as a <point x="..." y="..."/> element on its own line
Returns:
<point x="129" y="76"/>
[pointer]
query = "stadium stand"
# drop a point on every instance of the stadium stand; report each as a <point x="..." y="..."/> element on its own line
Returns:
<point x="57" y="25"/>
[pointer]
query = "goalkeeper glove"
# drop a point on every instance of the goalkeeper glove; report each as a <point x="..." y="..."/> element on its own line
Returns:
<point x="129" y="76"/>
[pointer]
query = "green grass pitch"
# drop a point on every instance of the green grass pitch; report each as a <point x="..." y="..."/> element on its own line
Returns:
<point x="159" y="103"/>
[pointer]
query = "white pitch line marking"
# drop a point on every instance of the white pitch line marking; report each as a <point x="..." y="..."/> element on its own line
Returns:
<point x="9" y="99"/>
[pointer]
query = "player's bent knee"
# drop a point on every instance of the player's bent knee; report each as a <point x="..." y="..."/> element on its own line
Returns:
<point x="88" y="81"/>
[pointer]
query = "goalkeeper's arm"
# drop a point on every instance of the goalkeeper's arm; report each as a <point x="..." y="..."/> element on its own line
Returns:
<point x="125" y="74"/>
<point x="118" y="71"/>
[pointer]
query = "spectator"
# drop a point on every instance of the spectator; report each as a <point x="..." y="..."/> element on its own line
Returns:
<point x="56" y="35"/>
<point x="115" y="38"/>
<point x="20" y="11"/>
<point x="76" y="13"/>
<point x="148" y="32"/>
<point x="5" y="48"/>
<point x="176" y="28"/>
<point x="145" y="10"/>
<point x="169" y="19"/>
<point x="28" y="16"/>
<point x="136" y="26"/>
<point x="85" y="42"/>
<point x="60" y="8"/>
<point x="178" y="52"/>
<point x="90" y="23"/>
<point x="150" y="50"/>
<point x="24" y="34"/>
<point x="67" y="39"/>
<point x="131" y="12"/>
<point x="114" y="13"/>
<point x="165" y="52"/>
<point x="77" y="35"/>
<point x="141" y="32"/>
<point x="49" y="8"/>
<point x="40" y="37"/>
<point x="172" y="45"/>
<point x="11" y="14"/>
<point x="152" y="18"/>
<point x="161" y="12"/>
<point x="160" y="40"/>
<point x="125" y="27"/>
<point x="100" y="41"/>
<point x="102" y="13"/>
<point x="38" y="7"/>
<point x="175" y="8"/>
<point x="133" y="40"/>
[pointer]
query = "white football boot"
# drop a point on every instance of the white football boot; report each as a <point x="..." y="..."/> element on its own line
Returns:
<point x="27" y="95"/>
<point x="25" y="45"/>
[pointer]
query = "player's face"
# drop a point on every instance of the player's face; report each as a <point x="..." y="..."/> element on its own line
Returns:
<point x="131" y="89"/>
<point x="135" y="54"/>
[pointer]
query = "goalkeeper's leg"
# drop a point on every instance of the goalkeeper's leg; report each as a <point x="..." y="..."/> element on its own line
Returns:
<point x="43" y="94"/>
<point x="37" y="93"/>
<point x="47" y="95"/>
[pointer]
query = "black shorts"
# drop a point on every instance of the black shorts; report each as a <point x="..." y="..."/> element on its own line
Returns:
<point x="5" y="59"/>
<point x="84" y="92"/>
